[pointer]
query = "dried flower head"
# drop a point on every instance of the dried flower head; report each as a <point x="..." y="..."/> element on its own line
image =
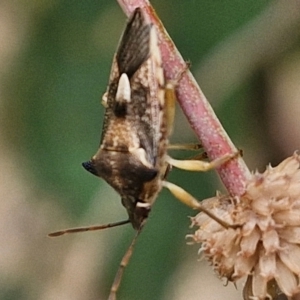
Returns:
<point x="265" y="246"/>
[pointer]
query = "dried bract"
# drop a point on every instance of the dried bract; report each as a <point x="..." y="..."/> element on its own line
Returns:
<point x="266" y="245"/>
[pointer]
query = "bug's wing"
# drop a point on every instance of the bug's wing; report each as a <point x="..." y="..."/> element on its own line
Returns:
<point x="138" y="57"/>
<point x="133" y="50"/>
<point x="134" y="47"/>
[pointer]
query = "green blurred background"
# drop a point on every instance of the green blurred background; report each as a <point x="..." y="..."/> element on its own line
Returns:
<point x="55" y="59"/>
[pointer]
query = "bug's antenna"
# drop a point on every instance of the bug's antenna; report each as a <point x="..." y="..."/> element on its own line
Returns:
<point x="89" y="228"/>
<point x="124" y="262"/>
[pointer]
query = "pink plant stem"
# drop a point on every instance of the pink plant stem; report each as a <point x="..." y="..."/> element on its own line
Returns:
<point x="197" y="109"/>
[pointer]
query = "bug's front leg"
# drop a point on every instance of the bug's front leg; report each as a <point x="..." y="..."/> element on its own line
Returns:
<point x="187" y="199"/>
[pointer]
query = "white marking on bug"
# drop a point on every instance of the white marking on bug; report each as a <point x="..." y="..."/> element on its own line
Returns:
<point x="143" y="204"/>
<point x="124" y="91"/>
<point x="140" y="153"/>
<point x="104" y="100"/>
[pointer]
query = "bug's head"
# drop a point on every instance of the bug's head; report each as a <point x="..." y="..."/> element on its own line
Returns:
<point x="90" y="167"/>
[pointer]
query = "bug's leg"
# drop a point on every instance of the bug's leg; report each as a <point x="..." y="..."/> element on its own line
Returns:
<point x="170" y="98"/>
<point x="187" y="199"/>
<point x="192" y="165"/>
<point x="190" y="146"/>
<point x="170" y="105"/>
<point x="195" y="164"/>
<point x="124" y="262"/>
<point x="199" y="165"/>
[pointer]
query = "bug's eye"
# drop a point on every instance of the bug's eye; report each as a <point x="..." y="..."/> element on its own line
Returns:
<point x="89" y="166"/>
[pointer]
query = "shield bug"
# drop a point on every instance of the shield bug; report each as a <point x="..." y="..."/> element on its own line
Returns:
<point x="139" y="110"/>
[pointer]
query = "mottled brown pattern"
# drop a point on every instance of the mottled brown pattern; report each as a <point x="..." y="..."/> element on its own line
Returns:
<point x="131" y="157"/>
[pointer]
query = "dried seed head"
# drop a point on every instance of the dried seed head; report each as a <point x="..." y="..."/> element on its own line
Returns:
<point x="266" y="245"/>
